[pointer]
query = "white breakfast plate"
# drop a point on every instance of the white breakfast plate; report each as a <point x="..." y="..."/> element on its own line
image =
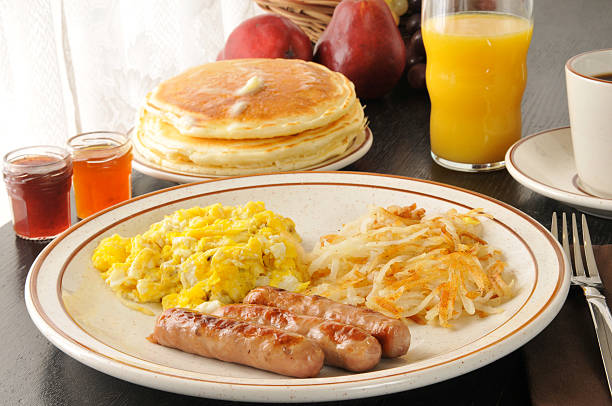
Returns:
<point x="357" y="150"/>
<point x="544" y="163"/>
<point x="73" y="308"/>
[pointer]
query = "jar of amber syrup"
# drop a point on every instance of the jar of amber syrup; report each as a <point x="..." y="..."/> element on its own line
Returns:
<point x="38" y="183"/>
<point x="102" y="170"/>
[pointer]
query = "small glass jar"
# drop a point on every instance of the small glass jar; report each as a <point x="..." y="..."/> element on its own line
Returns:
<point x="38" y="184"/>
<point x="102" y="170"/>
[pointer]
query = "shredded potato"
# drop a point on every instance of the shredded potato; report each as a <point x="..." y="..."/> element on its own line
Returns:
<point x="403" y="264"/>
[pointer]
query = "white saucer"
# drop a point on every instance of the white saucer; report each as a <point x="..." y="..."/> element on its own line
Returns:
<point x="544" y="163"/>
<point x="357" y="150"/>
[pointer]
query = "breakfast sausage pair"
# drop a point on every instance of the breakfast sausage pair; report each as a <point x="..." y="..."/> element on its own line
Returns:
<point x="292" y="338"/>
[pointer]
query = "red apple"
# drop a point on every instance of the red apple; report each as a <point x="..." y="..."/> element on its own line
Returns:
<point x="267" y="36"/>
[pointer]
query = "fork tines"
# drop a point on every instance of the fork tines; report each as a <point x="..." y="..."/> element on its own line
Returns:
<point x="578" y="268"/>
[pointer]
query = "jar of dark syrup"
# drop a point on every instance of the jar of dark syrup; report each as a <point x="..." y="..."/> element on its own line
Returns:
<point x="38" y="181"/>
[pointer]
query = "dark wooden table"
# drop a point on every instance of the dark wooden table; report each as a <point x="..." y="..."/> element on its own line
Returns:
<point x="32" y="371"/>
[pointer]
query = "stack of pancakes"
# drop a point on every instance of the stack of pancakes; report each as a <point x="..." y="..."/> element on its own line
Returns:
<point x="246" y="116"/>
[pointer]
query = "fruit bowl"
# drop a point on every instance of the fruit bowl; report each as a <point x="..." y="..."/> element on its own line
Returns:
<point x="311" y="15"/>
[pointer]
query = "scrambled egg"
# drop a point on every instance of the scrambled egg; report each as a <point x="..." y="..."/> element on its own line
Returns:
<point x="204" y="257"/>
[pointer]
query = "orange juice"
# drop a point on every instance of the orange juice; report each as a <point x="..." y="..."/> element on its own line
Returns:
<point x="476" y="74"/>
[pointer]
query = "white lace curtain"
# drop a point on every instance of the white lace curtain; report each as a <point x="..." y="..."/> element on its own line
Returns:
<point x="68" y="66"/>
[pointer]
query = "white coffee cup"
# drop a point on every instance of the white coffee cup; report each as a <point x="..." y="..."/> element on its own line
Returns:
<point x="590" y="111"/>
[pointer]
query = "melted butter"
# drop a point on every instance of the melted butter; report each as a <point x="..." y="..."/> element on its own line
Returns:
<point x="253" y="85"/>
<point x="237" y="108"/>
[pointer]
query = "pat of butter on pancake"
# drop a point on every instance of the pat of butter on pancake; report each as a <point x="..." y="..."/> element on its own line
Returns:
<point x="238" y="108"/>
<point x="253" y="85"/>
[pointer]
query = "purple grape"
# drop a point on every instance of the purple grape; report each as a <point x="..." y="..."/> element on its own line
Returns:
<point x="414" y="6"/>
<point x="416" y="41"/>
<point x="416" y="76"/>
<point x="412" y="24"/>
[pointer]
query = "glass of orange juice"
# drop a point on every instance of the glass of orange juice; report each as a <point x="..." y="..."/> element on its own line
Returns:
<point x="102" y="168"/>
<point x="476" y="74"/>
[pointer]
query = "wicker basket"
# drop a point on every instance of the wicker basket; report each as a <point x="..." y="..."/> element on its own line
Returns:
<point x="311" y="15"/>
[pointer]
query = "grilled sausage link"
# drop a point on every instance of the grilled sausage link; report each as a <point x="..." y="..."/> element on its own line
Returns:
<point x="393" y="334"/>
<point x="344" y="346"/>
<point x="237" y="341"/>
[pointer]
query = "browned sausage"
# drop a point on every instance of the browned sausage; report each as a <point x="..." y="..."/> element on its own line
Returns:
<point x="237" y="341"/>
<point x="393" y="334"/>
<point x="344" y="345"/>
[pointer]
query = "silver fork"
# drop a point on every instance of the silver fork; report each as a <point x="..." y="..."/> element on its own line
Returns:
<point x="591" y="285"/>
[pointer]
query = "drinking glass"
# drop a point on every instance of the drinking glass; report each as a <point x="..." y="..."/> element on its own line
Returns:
<point x="476" y="75"/>
<point x="102" y="162"/>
